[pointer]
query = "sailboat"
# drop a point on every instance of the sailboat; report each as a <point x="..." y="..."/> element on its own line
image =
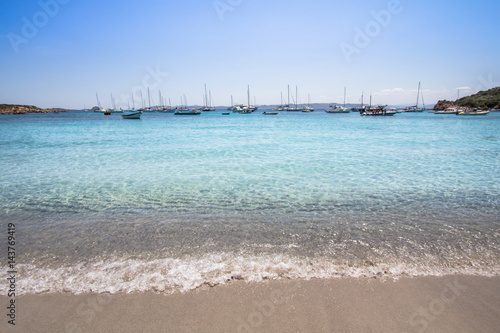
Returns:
<point x="281" y="107"/>
<point x="149" y="108"/>
<point x="100" y="108"/>
<point x="296" y="108"/>
<point x="162" y="107"/>
<point x="114" y="109"/>
<point x="338" y="108"/>
<point x="308" y="108"/>
<point x="231" y="108"/>
<point x="183" y="109"/>
<point x="207" y="101"/>
<point x="415" y="108"/>
<point x="247" y="108"/>
<point x="377" y="111"/>
<point x="237" y="107"/>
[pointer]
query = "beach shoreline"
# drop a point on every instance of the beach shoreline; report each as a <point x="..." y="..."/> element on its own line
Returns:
<point x="454" y="303"/>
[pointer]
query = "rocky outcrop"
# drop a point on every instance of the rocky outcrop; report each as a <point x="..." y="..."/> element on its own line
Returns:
<point x="23" y="109"/>
<point x="444" y="104"/>
<point x="489" y="99"/>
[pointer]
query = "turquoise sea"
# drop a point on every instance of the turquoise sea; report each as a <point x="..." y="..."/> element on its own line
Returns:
<point x="166" y="203"/>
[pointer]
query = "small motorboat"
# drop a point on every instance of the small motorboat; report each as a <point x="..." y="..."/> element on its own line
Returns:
<point x="132" y="115"/>
<point x="337" y="109"/>
<point x="473" y="113"/>
<point x="378" y="111"/>
<point x="447" y="111"/>
<point x="187" y="112"/>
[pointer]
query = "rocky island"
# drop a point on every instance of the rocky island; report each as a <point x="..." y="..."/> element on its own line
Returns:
<point x="24" y="109"/>
<point x="485" y="100"/>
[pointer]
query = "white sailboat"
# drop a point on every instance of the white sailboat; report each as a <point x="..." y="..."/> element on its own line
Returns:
<point x="231" y="108"/>
<point x="114" y="109"/>
<point x="416" y="108"/>
<point x="207" y="101"/>
<point x="296" y="108"/>
<point x="184" y="110"/>
<point x="362" y="107"/>
<point x="100" y="108"/>
<point x="308" y="108"/>
<point x="338" y="108"/>
<point x="247" y="108"/>
<point x="281" y="107"/>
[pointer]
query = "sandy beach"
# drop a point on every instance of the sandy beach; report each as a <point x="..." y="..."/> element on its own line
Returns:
<point x="426" y="304"/>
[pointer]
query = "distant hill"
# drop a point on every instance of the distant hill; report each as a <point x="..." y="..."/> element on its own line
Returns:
<point x="23" y="109"/>
<point x="485" y="100"/>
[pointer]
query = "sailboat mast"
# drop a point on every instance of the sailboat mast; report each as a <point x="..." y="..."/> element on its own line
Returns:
<point x="418" y="93"/>
<point x="296" y="96"/>
<point x="98" y="102"/>
<point x="149" y="99"/>
<point x="288" y="103"/>
<point x="248" y="95"/>
<point x="344" y="97"/>
<point x="206" y="96"/>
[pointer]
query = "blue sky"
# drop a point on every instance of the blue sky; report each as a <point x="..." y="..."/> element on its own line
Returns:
<point x="60" y="53"/>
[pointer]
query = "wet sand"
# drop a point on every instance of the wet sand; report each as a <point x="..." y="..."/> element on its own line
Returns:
<point x="426" y="304"/>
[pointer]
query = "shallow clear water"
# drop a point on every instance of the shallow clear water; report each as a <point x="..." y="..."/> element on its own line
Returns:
<point x="169" y="202"/>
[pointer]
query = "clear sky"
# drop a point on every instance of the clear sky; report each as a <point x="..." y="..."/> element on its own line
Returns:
<point x="60" y="53"/>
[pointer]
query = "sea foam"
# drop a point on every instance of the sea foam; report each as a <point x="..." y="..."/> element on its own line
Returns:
<point x="170" y="274"/>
